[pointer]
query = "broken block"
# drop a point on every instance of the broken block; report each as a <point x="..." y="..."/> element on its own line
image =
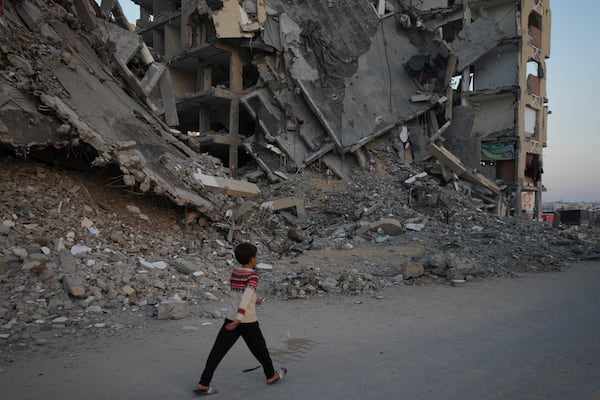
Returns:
<point x="286" y="202"/>
<point x="230" y="186"/>
<point x="412" y="270"/>
<point x="389" y="226"/>
<point x="173" y="309"/>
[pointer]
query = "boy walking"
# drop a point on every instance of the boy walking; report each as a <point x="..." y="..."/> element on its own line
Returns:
<point x="241" y="321"/>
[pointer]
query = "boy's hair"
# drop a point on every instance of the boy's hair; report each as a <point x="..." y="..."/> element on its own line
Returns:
<point x="244" y="252"/>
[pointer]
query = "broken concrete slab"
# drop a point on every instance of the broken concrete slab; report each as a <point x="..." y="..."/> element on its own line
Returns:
<point x="448" y="159"/>
<point x="86" y="13"/>
<point x="301" y="135"/>
<point x="231" y="187"/>
<point x="264" y="111"/>
<point x="73" y="283"/>
<point x="126" y="43"/>
<point x="153" y="75"/>
<point x="102" y="121"/>
<point x="285" y="203"/>
<point x="459" y="138"/>
<point x="389" y="226"/>
<point x="476" y="39"/>
<point x="345" y="112"/>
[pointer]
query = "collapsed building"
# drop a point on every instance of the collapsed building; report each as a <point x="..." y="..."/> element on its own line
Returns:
<point x="458" y="89"/>
<point x="292" y="83"/>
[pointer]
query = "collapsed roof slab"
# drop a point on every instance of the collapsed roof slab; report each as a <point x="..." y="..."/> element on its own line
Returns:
<point x="301" y="141"/>
<point x="377" y="95"/>
<point x="22" y="125"/>
<point x="110" y="118"/>
<point x="476" y="39"/>
<point x="84" y="95"/>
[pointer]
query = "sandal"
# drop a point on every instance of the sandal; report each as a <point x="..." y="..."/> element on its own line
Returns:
<point x="205" y="392"/>
<point x="280" y="375"/>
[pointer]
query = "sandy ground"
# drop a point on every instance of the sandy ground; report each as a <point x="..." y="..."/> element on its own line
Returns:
<point x="535" y="337"/>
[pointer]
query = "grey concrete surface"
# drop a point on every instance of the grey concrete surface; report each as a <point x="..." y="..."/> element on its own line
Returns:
<point x="535" y="337"/>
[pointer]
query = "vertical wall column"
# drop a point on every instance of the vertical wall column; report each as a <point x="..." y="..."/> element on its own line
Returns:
<point x="236" y="83"/>
<point x="466" y="73"/>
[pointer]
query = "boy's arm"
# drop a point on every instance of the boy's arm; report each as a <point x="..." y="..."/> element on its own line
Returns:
<point x="232" y="325"/>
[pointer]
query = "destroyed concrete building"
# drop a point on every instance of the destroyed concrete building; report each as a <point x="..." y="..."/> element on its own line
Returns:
<point x="458" y="87"/>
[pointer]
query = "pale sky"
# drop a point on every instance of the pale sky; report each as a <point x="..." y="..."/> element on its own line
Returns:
<point x="572" y="158"/>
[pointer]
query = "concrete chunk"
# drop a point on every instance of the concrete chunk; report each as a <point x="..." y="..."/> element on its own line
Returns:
<point x="74" y="285"/>
<point x="476" y="40"/>
<point x="286" y="202"/>
<point x="173" y="309"/>
<point x="413" y="270"/>
<point x="229" y="186"/>
<point x="389" y="226"/>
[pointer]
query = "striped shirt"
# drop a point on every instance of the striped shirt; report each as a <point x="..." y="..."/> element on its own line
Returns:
<point x="243" y="284"/>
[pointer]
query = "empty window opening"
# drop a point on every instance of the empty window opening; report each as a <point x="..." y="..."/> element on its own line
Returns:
<point x="530" y="122"/>
<point x="456" y="82"/>
<point x="535" y="20"/>
<point x="533" y="68"/>
<point x="535" y="29"/>
<point x="534" y="73"/>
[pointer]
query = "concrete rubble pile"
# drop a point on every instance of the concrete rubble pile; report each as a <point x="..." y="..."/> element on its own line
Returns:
<point x="79" y="260"/>
<point x="88" y="241"/>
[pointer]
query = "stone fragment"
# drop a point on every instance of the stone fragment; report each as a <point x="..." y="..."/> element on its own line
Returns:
<point x="30" y="265"/>
<point x="71" y="280"/>
<point x="413" y="270"/>
<point x="415" y="227"/>
<point x="128" y="290"/>
<point x="389" y="226"/>
<point x="189" y="328"/>
<point x="329" y="284"/>
<point x="153" y="265"/>
<point x="173" y="309"/>
<point x="133" y="209"/>
<point x="94" y="309"/>
<point x="20" y="252"/>
<point x="79" y="249"/>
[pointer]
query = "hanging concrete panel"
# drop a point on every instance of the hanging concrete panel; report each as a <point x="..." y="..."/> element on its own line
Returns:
<point x="476" y="39"/>
<point x="376" y="95"/>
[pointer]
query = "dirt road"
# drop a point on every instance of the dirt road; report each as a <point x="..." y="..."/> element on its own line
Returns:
<point x="535" y="337"/>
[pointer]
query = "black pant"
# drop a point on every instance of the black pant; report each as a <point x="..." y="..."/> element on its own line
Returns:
<point x="255" y="341"/>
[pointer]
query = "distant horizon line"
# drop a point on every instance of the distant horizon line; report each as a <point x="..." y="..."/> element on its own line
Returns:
<point x="570" y="201"/>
